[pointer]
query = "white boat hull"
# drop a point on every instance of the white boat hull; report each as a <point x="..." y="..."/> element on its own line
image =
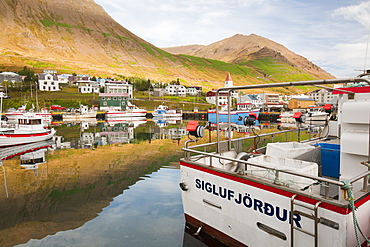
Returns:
<point x="124" y="114"/>
<point x="25" y="138"/>
<point x="233" y="208"/>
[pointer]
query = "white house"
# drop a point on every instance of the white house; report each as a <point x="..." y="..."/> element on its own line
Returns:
<point x="121" y="87"/>
<point x="63" y="78"/>
<point x="178" y="90"/>
<point x="322" y="96"/>
<point x="48" y="82"/>
<point x="194" y="90"/>
<point x="88" y="86"/>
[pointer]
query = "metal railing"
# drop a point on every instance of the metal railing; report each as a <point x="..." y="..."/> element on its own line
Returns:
<point x="193" y="155"/>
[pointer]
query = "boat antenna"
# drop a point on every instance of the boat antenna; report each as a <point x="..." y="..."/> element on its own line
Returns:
<point x="367" y="47"/>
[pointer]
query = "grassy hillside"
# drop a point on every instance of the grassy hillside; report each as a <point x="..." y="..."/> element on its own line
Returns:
<point x="70" y="97"/>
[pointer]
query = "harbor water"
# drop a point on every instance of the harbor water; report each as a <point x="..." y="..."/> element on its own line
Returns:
<point x="98" y="184"/>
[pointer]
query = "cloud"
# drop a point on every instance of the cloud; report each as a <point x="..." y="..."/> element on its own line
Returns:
<point x="322" y="31"/>
<point x="359" y="13"/>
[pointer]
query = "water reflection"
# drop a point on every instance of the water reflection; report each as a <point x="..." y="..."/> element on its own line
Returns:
<point x="125" y="130"/>
<point x="97" y="184"/>
<point x="93" y="194"/>
<point x="147" y="214"/>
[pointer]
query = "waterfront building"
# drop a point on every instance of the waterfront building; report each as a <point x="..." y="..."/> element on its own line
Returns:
<point x="299" y="103"/>
<point x="116" y="95"/>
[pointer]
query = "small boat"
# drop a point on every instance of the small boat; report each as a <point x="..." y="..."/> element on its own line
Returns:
<point x="80" y="114"/>
<point x="316" y="113"/>
<point x="306" y="191"/>
<point x="28" y="129"/>
<point x="237" y="116"/>
<point x="164" y="112"/>
<point x="131" y="111"/>
<point x="313" y="113"/>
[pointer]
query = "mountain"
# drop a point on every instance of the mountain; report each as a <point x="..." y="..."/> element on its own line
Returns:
<point x="240" y="49"/>
<point x="80" y="37"/>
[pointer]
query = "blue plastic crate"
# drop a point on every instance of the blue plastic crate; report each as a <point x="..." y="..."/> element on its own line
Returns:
<point x="330" y="159"/>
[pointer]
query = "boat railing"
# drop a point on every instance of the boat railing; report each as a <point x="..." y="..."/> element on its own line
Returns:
<point x="211" y="150"/>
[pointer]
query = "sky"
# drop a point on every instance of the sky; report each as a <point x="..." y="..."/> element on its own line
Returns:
<point x="333" y="34"/>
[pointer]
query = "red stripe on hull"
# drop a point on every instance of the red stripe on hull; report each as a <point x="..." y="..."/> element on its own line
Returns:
<point x="24" y="152"/>
<point x="26" y="135"/>
<point x="288" y="194"/>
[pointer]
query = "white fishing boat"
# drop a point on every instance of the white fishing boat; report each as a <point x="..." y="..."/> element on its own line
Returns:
<point x="84" y="112"/>
<point x="316" y="113"/>
<point x="165" y="112"/>
<point x="296" y="193"/>
<point x="313" y="113"/>
<point x="28" y="129"/>
<point x="13" y="114"/>
<point x="131" y="111"/>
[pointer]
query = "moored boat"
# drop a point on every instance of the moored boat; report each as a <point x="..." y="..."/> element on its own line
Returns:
<point x="13" y="114"/>
<point x="28" y="129"/>
<point x="312" y="192"/>
<point x="237" y="116"/>
<point x="131" y="111"/>
<point x="164" y="112"/>
<point x="316" y="113"/>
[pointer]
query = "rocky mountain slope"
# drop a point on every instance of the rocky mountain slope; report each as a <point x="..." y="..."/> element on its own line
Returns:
<point x="239" y="49"/>
<point x="80" y="37"/>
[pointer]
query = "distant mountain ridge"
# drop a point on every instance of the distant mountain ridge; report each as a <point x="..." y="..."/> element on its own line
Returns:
<point x="79" y="36"/>
<point x="241" y="48"/>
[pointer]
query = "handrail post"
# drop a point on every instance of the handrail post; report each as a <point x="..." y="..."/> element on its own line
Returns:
<point x="365" y="185"/>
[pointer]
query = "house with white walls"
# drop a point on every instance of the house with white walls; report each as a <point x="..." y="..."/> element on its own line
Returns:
<point x="48" y="82"/>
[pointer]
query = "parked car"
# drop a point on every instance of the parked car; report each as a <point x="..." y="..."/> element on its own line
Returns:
<point x="57" y="107"/>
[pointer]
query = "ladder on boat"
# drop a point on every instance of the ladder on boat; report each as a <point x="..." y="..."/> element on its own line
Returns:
<point x="314" y="216"/>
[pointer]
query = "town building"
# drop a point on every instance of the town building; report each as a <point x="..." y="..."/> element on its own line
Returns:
<point x="63" y="78"/>
<point x="222" y="96"/>
<point x="254" y="99"/>
<point x="48" y="82"/>
<point x="88" y="86"/>
<point x="300" y="103"/>
<point x="178" y="90"/>
<point x="116" y="95"/>
<point x="10" y="77"/>
<point x="322" y="96"/>
<point x="271" y="102"/>
<point x="194" y="90"/>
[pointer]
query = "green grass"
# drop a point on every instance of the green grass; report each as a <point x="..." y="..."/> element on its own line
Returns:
<point x="275" y="70"/>
<point x="154" y="51"/>
<point x="48" y="24"/>
<point x="204" y="64"/>
<point x="39" y="64"/>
